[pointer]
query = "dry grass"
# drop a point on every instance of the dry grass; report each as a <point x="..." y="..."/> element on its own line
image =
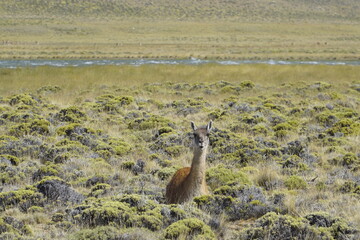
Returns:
<point x="86" y="82"/>
<point x="143" y="38"/>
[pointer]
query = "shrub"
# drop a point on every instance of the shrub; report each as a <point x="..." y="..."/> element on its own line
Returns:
<point x="321" y="86"/>
<point x="295" y="182"/>
<point x="274" y="226"/>
<point x="166" y="172"/>
<point x="337" y="227"/>
<point x="55" y="189"/>
<point x="268" y="179"/>
<point x="238" y="202"/>
<point x="247" y="84"/>
<point x="103" y="213"/>
<point x="113" y="104"/>
<point x="26" y="99"/>
<point x="74" y="129"/>
<point x="49" y="89"/>
<point x="190" y="228"/>
<point x="47" y="170"/>
<point x="98" y="233"/>
<point x="4" y="158"/>
<point x="13" y="226"/>
<point x="71" y="114"/>
<point x="23" y="198"/>
<point x="100" y="189"/>
<point x="220" y="175"/>
<point x="149" y="122"/>
<point x="35" y="127"/>
<point x="345" y="126"/>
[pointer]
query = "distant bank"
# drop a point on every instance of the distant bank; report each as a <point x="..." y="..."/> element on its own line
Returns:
<point x="139" y="62"/>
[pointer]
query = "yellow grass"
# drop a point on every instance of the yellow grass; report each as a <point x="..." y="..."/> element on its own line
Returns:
<point x="145" y="38"/>
<point x="91" y="78"/>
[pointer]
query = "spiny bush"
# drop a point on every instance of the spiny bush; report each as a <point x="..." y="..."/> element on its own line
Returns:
<point x="220" y="175"/>
<point x="190" y="228"/>
<point x="112" y="104"/>
<point x="237" y="201"/>
<point x="35" y="127"/>
<point x="26" y="99"/>
<point x="113" y="233"/>
<point x="295" y="182"/>
<point x="71" y="114"/>
<point x="22" y="198"/>
<point x="274" y="226"/>
<point x="55" y="189"/>
<point x="11" y="228"/>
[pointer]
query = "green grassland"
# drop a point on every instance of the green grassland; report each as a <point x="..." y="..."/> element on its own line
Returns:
<point x="284" y="29"/>
<point x="86" y="153"/>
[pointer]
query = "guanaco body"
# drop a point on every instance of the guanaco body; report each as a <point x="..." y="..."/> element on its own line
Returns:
<point x="189" y="182"/>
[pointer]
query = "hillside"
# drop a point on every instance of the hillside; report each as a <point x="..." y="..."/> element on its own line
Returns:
<point x="245" y="10"/>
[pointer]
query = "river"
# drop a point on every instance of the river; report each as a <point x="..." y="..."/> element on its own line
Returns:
<point x="139" y="62"/>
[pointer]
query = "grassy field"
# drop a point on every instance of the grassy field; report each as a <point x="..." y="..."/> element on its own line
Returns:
<point x="94" y="38"/>
<point x="86" y="153"/>
<point x="166" y="29"/>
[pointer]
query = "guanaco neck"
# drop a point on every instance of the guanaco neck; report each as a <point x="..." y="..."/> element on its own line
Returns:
<point x="197" y="172"/>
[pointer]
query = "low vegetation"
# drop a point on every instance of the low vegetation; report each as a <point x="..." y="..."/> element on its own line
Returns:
<point x="213" y="29"/>
<point x="86" y="153"/>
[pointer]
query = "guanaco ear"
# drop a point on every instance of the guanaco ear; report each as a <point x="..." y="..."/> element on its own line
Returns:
<point x="209" y="126"/>
<point x="193" y="126"/>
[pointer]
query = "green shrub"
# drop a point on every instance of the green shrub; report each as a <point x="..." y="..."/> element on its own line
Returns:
<point x="47" y="170"/>
<point x="346" y="126"/>
<point x="23" y="198"/>
<point x="98" y="233"/>
<point x="283" y="227"/>
<point x="166" y="130"/>
<point x="73" y="128"/>
<point x="321" y="86"/>
<point x="104" y="213"/>
<point x="149" y="122"/>
<point x="220" y="175"/>
<point x="216" y="114"/>
<point x="111" y="103"/>
<point x="295" y="182"/>
<point x="71" y="114"/>
<point x="49" y="89"/>
<point x="26" y="99"/>
<point x="166" y="172"/>
<point x="174" y="151"/>
<point x="247" y="84"/>
<point x="128" y="165"/>
<point x="190" y="228"/>
<point x="100" y="189"/>
<point x="349" y="187"/>
<point x="119" y="146"/>
<point x="35" y="127"/>
<point x="12" y="159"/>
<point x="337" y="227"/>
<point x="14" y="228"/>
<point x="349" y="160"/>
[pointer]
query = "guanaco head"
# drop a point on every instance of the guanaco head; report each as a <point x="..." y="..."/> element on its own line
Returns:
<point x="201" y="135"/>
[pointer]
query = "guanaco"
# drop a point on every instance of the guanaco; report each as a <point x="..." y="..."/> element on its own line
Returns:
<point x="189" y="182"/>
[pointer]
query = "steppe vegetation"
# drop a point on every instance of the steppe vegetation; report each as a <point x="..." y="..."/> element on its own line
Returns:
<point x="242" y="29"/>
<point x="86" y="153"/>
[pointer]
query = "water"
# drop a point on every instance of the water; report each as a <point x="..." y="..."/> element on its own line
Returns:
<point x="139" y="62"/>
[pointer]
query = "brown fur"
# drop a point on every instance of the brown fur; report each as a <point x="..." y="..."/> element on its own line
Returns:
<point x="189" y="182"/>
